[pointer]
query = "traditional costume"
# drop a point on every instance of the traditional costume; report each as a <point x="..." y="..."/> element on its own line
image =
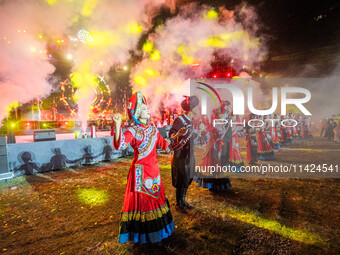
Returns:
<point x="298" y="127"/>
<point x="251" y="143"/>
<point x="309" y="124"/>
<point x="293" y="129"/>
<point x="329" y="131"/>
<point x="279" y="132"/>
<point x="290" y="133"/>
<point x="218" y="152"/>
<point x="265" y="150"/>
<point x="275" y="136"/>
<point x="337" y="132"/>
<point x="268" y="133"/>
<point x="146" y="216"/>
<point x="183" y="161"/>
<point x="235" y="158"/>
<point x="287" y="134"/>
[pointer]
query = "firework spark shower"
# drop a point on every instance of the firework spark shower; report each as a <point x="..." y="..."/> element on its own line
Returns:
<point x="104" y="32"/>
<point x="169" y="126"/>
<point x="34" y="26"/>
<point x="194" y="37"/>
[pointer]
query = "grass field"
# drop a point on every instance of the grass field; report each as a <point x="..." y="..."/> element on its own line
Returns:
<point x="76" y="211"/>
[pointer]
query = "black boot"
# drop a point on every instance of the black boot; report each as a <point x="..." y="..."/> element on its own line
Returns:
<point x="179" y="201"/>
<point x="187" y="206"/>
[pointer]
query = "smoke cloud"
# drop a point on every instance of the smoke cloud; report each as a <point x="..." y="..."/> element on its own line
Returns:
<point x="186" y="44"/>
<point x="31" y="27"/>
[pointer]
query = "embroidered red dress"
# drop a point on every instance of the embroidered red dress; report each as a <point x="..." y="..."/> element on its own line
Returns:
<point x="213" y="158"/>
<point x="265" y="150"/>
<point x="290" y="134"/>
<point x="275" y="137"/>
<point x="235" y="157"/>
<point x="146" y="215"/>
<point x="251" y="144"/>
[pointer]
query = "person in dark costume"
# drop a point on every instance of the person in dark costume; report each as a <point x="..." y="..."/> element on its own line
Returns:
<point x="324" y="124"/>
<point x="183" y="161"/>
<point x="330" y="128"/>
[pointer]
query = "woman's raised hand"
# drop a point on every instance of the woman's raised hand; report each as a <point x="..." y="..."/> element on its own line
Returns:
<point x="117" y="119"/>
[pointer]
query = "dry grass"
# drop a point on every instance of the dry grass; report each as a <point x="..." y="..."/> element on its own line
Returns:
<point x="76" y="211"/>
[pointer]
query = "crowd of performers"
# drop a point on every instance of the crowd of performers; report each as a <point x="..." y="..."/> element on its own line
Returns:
<point x="330" y="128"/>
<point x="262" y="140"/>
<point x="263" y="137"/>
<point x="146" y="215"/>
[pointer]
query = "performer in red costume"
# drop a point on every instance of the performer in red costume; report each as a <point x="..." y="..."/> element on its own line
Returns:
<point x="268" y="129"/>
<point x="265" y="150"/>
<point x="217" y="151"/>
<point x="146" y="216"/>
<point x="289" y="131"/>
<point x="251" y="142"/>
<point x="274" y="133"/>
<point x="235" y="157"/>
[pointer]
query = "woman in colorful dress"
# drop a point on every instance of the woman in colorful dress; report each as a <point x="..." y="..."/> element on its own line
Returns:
<point x="235" y="157"/>
<point x="290" y="129"/>
<point x="146" y="216"/>
<point x="275" y="136"/>
<point x="293" y="129"/>
<point x="298" y="126"/>
<point x="214" y="151"/>
<point x="268" y="132"/>
<point x="286" y="131"/>
<point x="280" y="135"/>
<point x="251" y="142"/>
<point x="265" y="150"/>
<point x="309" y="125"/>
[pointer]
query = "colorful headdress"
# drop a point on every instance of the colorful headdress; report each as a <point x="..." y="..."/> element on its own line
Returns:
<point x="224" y="106"/>
<point x="135" y="105"/>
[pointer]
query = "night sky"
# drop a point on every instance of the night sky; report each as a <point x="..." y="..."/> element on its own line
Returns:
<point x="309" y="30"/>
<point x="294" y="23"/>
